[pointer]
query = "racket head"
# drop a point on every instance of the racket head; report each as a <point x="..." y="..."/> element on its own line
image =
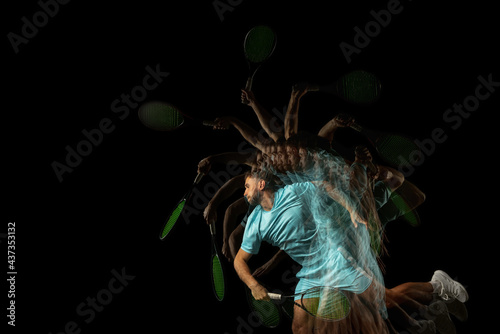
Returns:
<point x="259" y="44"/>
<point x="267" y="311"/>
<point x="412" y="218"/>
<point x="217" y="274"/>
<point x="160" y="116"/>
<point x="407" y="213"/>
<point x="359" y="87"/>
<point x="172" y="219"/>
<point x="326" y="303"/>
<point x="398" y="150"/>
<point x="174" y="216"/>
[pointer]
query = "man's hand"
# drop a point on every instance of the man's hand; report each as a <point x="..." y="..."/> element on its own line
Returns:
<point x="204" y="166"/>
<point x="210" y="214"/>
<point x="356" y="218"/>
<point x="247" y="97"/>
<point x="264" y="269"/>
<point x="363" y="156"/>
<point x="300" y="89"/>
<point x="342" y="120"/>
<point x="222" y="123"/>
<point x="259" y="292"/>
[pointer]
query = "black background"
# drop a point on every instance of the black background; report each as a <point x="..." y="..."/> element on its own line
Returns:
<point x="107" y="213"/>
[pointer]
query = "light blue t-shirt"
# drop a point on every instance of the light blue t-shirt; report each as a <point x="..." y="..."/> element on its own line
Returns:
<point x="326" y="247"/>
<point x="288" y="225"/>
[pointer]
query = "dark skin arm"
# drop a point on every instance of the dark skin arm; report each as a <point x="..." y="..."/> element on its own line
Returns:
<point x="247" y="158"/>
<point x="269" y="124"/>
<point x="250" y="135"/>
<point x="340" y="121"/>
<point x="292" y="113"/>
<point x="271" y="264"/>
<point x="233" y="231"/>
<point x="210" y="213"/>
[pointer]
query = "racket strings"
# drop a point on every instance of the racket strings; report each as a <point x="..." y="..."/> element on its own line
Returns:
<point x="259" y="44"/>
<point x="160" y="116"/>
<point x="360" y="87"/>
<point x="173" y="119"/>
<point x="217" y="278"/>
<point x="398" y="150"/>
<point x="267" y="311"/>
<point x="172" y="219"/>
<point x="327" y="304"/>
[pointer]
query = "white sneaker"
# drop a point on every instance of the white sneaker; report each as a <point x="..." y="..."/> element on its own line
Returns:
<point x="449" y="287"/>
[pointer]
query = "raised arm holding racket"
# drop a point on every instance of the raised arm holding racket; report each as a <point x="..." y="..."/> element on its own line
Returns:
<point x="273" y="127"/>
<point x="250" y="134"/>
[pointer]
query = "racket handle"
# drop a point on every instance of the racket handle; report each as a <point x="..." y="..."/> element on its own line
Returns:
<point x="274" y="296"/>
<point x="356" y="126"/>
<point x="313" y="88"/>
<point x="198" y="178"/>
<point x="248" y="87"/>
<point x="208" y="123"/>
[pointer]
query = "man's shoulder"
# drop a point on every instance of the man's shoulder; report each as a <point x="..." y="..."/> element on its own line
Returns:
<point x="300" y="187"/>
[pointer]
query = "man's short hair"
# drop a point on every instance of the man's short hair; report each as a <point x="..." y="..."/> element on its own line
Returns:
<point x="273" y="182"/>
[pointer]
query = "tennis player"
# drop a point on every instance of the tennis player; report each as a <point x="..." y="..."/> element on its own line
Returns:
<point x="284" y="217"/>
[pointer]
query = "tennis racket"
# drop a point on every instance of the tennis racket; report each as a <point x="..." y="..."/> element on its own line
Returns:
<point x="359" y="87"/>
<point x="406" y="198"/>
<point x="174" y="216"/>
<point x="162" y="116"/>
<point x="396" y="150"/>
<point x="216" y="268"/>
<point x="325" y="303"/>
<point x="268" y="312"/>
<point x="258" y="46"/>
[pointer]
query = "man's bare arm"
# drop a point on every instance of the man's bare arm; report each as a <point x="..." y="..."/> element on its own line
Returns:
<point x="250" y="135"/>
<point x="340" y="121"/>
<point x="243" y="271"/>
<point x="269" y="123"/>
<point x="292" y="113"/>
<point x="247" y="158"/>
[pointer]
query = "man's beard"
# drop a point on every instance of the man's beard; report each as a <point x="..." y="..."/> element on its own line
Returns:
<point x="255" y="200"/>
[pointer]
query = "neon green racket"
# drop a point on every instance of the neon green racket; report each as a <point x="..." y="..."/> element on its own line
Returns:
<point x="325" y="303"/>
<point x="216" y="268"/>
<point x="258" y="46"/>
<point x="396" y="150"/>
<point x="163" y="116"/>
<point x="176" y="213"/>
<point x="358" y="87"/>
<point x="268" y="312"/>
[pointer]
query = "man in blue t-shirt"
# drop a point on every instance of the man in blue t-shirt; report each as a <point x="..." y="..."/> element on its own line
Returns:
<point x="288" y="218"/>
